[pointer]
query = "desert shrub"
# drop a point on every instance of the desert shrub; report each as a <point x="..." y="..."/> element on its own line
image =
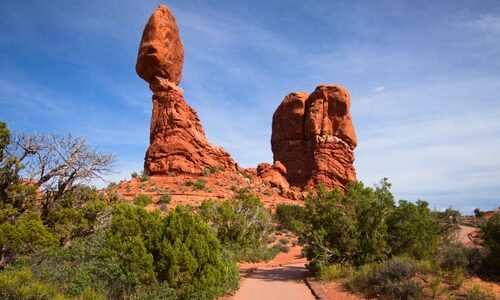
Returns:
<point x="448" y="225"/>
<point x="258" y="254"/>
<point x="22" y="235"/>
<point x="291" y="217"/>
<point x="458" y="277"/>
<point x="140" y="256"/>
<point x="20" y="285"/>
<point x="241" y="224"/>
<point x="179" y="250"/>
<point x="284" y="241"/>
<point x="77" y="214"/>
<point x="453" y="256"/>
<point x="348" y="227"/>
<point x="144" y="176"/>
<point x="134" y="174"/>
<point x="392" y="279"/>
<point x="335" y="271"/>
<point x="412" y="230"/>
<point x="477" y="294"/>
<point x="76" y="270"/>
<point x="143" y="200"/>
<point x="490" y="233"/>
<point x="165" y="199"/>
<point x="284" y="248"/>
<point x="200" y="184"/>
<point x="245" y="174"/>
<point x="212" y="170"/>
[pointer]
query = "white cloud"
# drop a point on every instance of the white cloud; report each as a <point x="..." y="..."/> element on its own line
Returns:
<point x="486" y="23"/>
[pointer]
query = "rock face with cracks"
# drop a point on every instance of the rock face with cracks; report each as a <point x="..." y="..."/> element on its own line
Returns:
<point x="177" y="141"/>
<point x="314" y="138"/>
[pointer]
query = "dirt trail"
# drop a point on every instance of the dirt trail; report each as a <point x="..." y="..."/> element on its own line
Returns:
<point x="285" y="282"/>
<point x="280" y="278"/>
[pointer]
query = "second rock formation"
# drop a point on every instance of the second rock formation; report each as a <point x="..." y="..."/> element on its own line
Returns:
<point x="313" y="137"/>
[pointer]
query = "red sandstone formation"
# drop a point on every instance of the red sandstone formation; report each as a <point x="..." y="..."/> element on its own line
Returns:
<point x="177" y="141"/>
<point x="314" y="138"/>
<point x="274" y="175"/>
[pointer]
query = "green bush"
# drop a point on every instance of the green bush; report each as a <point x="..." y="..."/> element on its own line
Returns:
<point x="76" y="270"/>
<point x="412" y="230"/>
<point x="179" y="250"/>
<point x="165" y="199"/>
<point x="457" y="256"/>
<point x="333" y="272"/>
<point x="490" y="233"/>
<point x="348" y="227"/>
<point x="200" y="184"/>
<point x="20" y="285"/>
<point x="142" y="255"/>
<point x="393" y="279"/>
<point x="77" y="214"/>
<point x="144" y="176"/>
<point x="291" y="217"/>
<point x="23" y="235"/>
<point x="242" y="224"/>
<point x="143" y="200"/>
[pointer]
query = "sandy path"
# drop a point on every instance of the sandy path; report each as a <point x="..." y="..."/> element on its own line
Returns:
<point x="284" y="282"/>
<point x="465" y="233"/>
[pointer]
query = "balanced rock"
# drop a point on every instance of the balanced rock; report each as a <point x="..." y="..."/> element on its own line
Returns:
<point x="314" y="138"/>
<point x="160" y="53"/>
<point x="177" y="141"/>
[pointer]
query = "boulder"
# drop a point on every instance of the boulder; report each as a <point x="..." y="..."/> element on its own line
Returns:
<point x="160" y="52"/>
<point x="314" y="138"/>
<point x="274" y="175"/>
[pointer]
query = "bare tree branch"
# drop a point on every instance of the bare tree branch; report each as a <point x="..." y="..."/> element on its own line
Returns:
<point x="56" y="163"/>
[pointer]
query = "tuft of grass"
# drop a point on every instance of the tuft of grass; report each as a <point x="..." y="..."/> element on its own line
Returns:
<point x="458" y="276"/>
<point x="334" y="272"/>
<point x="477" y="294"/>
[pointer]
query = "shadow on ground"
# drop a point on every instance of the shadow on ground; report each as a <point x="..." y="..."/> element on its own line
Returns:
<point x="285" y="273"/>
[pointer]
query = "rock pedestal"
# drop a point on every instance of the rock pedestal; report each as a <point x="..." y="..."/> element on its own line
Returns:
<point x="177" y="141"/>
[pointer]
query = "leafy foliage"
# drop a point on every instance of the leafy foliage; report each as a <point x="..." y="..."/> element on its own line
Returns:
<point x="143" y="200"/>
<point x="23" y="235"/>
<point x="291" y="217"/>
<point x="165" y="199"/>
<point x="20" y="285"/>
<point x="412" y="230"/>
<point x="179" y="250"/>
<point x="348" y="226"/>
<point x="242" y="224"/>
<point x="490" y="233"/>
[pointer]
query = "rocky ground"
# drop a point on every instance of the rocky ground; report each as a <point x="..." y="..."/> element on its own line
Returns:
<point x="194" y="189"/>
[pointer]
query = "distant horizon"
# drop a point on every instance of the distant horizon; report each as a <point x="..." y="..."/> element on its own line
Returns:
<point x="423" y="78"/>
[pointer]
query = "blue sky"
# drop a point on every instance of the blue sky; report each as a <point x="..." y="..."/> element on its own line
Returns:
<point x="424" y="78"/>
